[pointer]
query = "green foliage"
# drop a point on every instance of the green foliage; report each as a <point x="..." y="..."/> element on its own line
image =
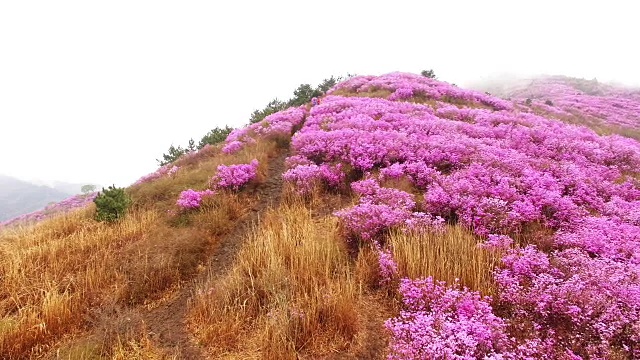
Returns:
<point x="272" y="107"/>
<point x="89" y="188"/>
<point x="301" y="95"/>
<point x="528" y="102"/>
<point x="429" y="73"/>
<point x="191" y="146"/>
<point x="215" y="136"/>
<point x="173" y="154"/>
<point x="111" y="204"/>
<point x="549" y="102"/>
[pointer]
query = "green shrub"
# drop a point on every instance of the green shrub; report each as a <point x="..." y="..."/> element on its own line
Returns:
<point x="215" y="136"/>
<point x="173" y="154"/>
<point x="111" y="204"/>
<point x="302" y="95"/>
<point x="272" y="107"/>
<point x="428" y="73"/>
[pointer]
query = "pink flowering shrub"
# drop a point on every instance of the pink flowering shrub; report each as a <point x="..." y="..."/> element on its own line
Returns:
<point x="163" y="171"/>
<point x="597" y="103"/>
<point x="278" y="125"/>
<point x="387" y="266"/>
<point x="497" y="242"/>
<point x="70" y="204"/>
<point x="371" y="192"/>
<point x="306" y="177"/>
<point x="191" y="199"/>
<point x="381" y="209"/>
<point x="235" y="177"/>
<point x="440" y="322"/>
<point x="369" y="221"/>
<point x="420" y="222"/>
<point x="404" y="86"/>
<point x="498" y="168"/>
<point x="232" y="147"/>
<point x="587" y="305"/>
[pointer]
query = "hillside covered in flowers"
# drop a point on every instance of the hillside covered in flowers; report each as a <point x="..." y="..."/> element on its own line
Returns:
<point x="558" y="202"/>
<point x="484" y="227"/>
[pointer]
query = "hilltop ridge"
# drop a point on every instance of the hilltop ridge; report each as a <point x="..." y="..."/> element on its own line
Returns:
<point x="400" y="217"/>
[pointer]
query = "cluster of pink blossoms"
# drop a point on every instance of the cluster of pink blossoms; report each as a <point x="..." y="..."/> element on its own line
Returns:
<point x="75" y="202"/>
<point x="279" y="124"/>
<point x="191" y="199"/>
<point x="382" y="208"/>
<point x="590" y="100"/>
<point x="307" y="176"/>
<point x="497" y="171"/>
<point x="445" y="322"/>
<point x="234" y="177"/>
<point x="405" y="86"/>
<point x="163" y="171"/>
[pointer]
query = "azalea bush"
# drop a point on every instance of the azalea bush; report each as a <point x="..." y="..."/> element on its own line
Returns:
<point x="277" y="125"/>
<point x="192" y="199"/>
<point x="234" y="177"/>
<point x="499" y="169"/>
<point x="590" y="102"/>
<point x="70" y="204"/>
<point x="163" y="171"/>
<point x="445" y="322"/>
<point x="306" y="177"/>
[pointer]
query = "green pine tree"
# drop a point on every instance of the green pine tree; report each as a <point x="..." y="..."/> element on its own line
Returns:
<point x="215" y="136"/>
<point x="111" y="204"/>
<point x="173" y="154"/>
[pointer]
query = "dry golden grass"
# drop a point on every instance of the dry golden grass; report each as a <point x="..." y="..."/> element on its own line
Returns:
<point x="374" y="93"/>
<point x="51" y="273"/>
<point x="122" y="342"/>
<point x="57" y="276"/>
<point x="176" y="248"/>
<point x="290" y="292"/>
<point x="139" y="348"/>
<point x="447" y="255"/>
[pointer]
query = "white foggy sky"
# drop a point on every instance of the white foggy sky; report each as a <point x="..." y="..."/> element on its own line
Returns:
<point x="96" y="91"/>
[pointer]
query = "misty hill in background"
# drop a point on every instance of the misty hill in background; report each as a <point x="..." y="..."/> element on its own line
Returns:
<point x="65" y="187"/>
<point x="19" y="197"/>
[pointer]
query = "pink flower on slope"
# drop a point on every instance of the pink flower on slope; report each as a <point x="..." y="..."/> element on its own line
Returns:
<point x="369" y="221"/>
<point x="441" y="322"/>
<point x="232" y="147"/>
<point x="234" y="177"/>
<point x="306" y="177"/>
<point x="497" y="242"/>
<point x="387" y="265"/>
<point x="191" y="199"/>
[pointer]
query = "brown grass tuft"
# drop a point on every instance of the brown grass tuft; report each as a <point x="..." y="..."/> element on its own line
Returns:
<point x="47" y="282"/>
<point x="290" y="292"/>
<point x="448" y="255"/>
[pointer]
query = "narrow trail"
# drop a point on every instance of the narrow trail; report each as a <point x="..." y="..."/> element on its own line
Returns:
<point x="167" y="324"/>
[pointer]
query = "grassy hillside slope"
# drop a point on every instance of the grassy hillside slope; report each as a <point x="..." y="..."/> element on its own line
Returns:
<point x="400" y="218"/>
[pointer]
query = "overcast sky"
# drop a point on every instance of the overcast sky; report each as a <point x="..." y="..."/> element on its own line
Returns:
<point x="96" y="91"/>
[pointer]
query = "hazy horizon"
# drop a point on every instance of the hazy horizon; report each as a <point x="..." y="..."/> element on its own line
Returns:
<point x="95" y="92"/>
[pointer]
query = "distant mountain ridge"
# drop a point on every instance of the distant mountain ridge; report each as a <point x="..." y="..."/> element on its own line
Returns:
<point x="19" y="197"/>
